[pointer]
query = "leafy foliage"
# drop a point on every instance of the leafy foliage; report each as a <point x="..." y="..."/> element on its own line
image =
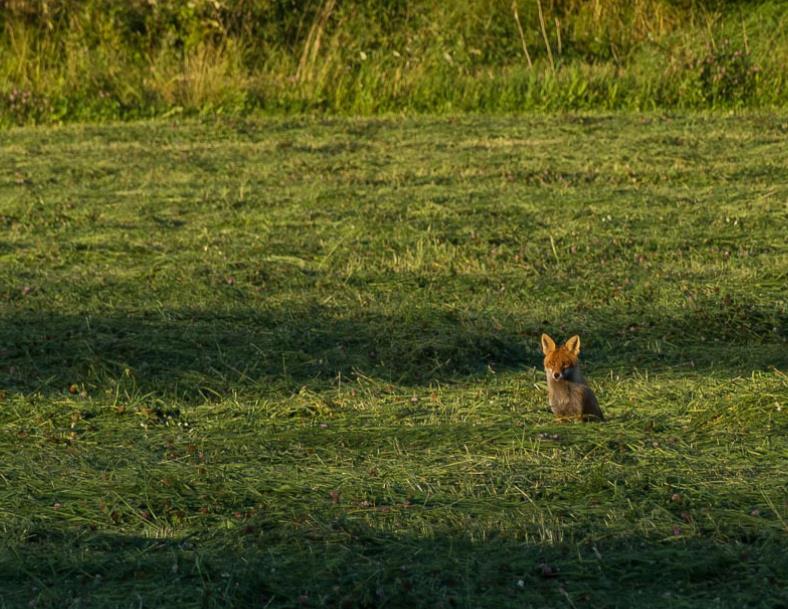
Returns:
<point x="727" y="74"/>
<point x="98" y="59"/>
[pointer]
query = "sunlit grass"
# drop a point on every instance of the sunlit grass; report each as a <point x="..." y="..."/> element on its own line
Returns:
<point x="75" y="60"/>
<point x="296" y="363"/>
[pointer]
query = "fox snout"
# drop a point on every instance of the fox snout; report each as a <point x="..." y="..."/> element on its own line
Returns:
<point x="563" y="374"/>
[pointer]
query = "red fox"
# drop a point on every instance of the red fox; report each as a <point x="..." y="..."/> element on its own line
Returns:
<point x="570" y="396"/>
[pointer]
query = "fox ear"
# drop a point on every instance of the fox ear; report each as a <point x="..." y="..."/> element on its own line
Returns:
<point x="573" y="344"/>
<point x="548" y="344"/>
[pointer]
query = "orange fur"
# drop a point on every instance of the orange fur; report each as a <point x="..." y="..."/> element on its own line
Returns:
<point x="569" y="394"/>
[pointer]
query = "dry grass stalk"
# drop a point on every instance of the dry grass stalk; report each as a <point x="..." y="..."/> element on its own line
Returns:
<point x="544" y="34"/>
<point x="312" y="44"/>
<point x="522" y="35"/>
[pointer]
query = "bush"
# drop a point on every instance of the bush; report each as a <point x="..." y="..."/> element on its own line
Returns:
<point x="727" y="74"/>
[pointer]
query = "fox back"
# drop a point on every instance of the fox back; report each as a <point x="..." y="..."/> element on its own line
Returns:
<point x="569" y="394"/>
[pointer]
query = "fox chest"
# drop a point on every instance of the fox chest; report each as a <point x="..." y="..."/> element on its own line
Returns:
<point x="566" y="398"/>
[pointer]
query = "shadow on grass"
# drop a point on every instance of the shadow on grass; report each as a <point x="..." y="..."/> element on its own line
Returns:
<point x="196" y="354"/>
<point x="342" y="563"/>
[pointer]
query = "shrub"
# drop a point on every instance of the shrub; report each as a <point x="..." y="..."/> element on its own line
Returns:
<point x="727" y="74"/>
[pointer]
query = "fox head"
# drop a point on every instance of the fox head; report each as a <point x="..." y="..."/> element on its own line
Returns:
<point x="561" y="363"/>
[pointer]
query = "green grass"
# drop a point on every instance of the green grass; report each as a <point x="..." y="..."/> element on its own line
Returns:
<point x="103" y="60"/>
<point x="295" y="363"/>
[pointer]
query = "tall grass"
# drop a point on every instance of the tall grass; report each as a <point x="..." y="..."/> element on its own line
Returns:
<point x="74" y="59"/>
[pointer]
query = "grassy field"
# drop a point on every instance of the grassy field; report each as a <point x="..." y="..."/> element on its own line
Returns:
<point x="295" y="363"/>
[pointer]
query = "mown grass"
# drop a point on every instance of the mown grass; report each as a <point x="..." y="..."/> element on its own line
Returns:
<point x="294" y="363"/>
